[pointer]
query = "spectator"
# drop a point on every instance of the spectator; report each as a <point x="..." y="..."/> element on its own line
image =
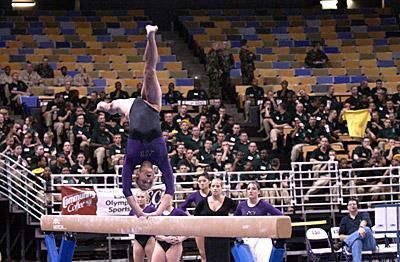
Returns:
<point x="393" y="151"/>
<point x="18" y="157"/>
<point x="168" y="124"/>
<point x="330" y="100"/>
<point x="138" y="92"/>
<point x="206" y="156"/>
<point x="118" y="93"/>
<point x="252" y="155"/>
<point x="316" y="57"/>
<point x="182" y="115"/>
<point x="44" y="69"/>
<point x="65" y="77"/>
<point x="173" y="96"/>
<point x="30" y="77"/>
<point x="355" y="231"/>
<point x="5" y="80"/>
<point x="197" y="93"/>
<point x="363" y="88"/>
<point x="242" y="144"/>
<point x="220" y="120"/>
<point x="246" y="63"/>
<point x="89" y="179"/>
<point x="214" y="72"/>
<point x="49" y="149"/>
<point x="378" y="87"/>
<point x="61" y="162"/>
<point x="253" y="94"/>
<point x="300" y="114"/>
<point x="68" y="152"/>
<point x="93" y="101"/>
<point x="283" y="94"/>
<point x="184" y="134"/>
<point x="362" y="154"/>
<point x="117" y="151"/>
<point x="190" y="161"/>
<point x="298" y="136"/>
<point x="395" y="97"/>
<point x="79" y="166"/>
<point x="227" y="63"/>
<point x="213" y="112"/>
<point x="234" y="136"/>
<point x="195" y="142"/>
<point x="28" y="149"/>
<point x="180" y="155"/>
<point x="218" y="164"/>
<point x="386" y="133"/>
<point x="17" y="88"/>
<point x="279" y="120"/>
<point x="320" y="154"/>
<point x="82" y="78"/>
<point x="63" y="121"/>
<point x="218" y="143"/>
<point x="37" y="157"/>
<point x="184" y="182"/>
<point x="100" y="142"/>
<point x="81" y="135"/>
<point x="52" y="107"/>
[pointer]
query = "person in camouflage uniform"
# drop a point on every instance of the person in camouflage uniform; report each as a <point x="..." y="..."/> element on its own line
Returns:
<point x="246" y="63"/>
<point x="213" y="71"/>
<point x="227" y="62"/>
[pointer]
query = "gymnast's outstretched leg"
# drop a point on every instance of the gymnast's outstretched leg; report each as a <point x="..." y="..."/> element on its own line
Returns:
<point x="151" y="87"/>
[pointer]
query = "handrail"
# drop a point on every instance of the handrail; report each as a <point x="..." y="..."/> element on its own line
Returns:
<point x="28" y="194"/>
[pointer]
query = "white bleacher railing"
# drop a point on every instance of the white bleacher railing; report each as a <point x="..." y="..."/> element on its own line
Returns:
<point x="25" y="190"/>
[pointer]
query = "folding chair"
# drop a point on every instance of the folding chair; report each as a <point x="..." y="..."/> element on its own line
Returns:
<point x="320" y="235"/>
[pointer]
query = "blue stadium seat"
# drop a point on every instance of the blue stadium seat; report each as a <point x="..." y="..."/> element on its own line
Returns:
<point x="68" y="31"/>
<point x="331" y="50"/>
<point x="324" y="80"/>
<point x="375" y="28"/>
<point x="17" y="58"/>
<point x="283" y="37"/>
<point x="167" y="58"/>
<point x="235" y="44"/>
<point x="184" y="82"/>
<point x="250" y="37"/>
<point x="285" y="43"/>
<point x="47" y="44"/>
<point x="62" y="18"/>
<point x="381" y="42"/>
<point x="357" y="79"/>
<point x="29" y="102"/>
<point x="140" y="44"/>
<point x="263" y="50"/>
<point x="8" y="37"/>
<point x="386" y="63"/>
<point x="5" y="31"/>
<point x="281" y="65"/>
<point x="63" y="44"/>
<point x="282" y="23"/>
<point x="103" y="38"/>
<point x="341" y="79"/>
<point x="72" y="73"/>
<point x="97" y="89"/>
<point x="67" y="25"/>
<point x="99" y="82"/>
<point x="26" y="51"/>
<point x="255" y="24"/>
<point x="6" y="24"/>
<point x="311" y="30"/>
<point x="197" y="31"/>
<point x="396" y="55"/>
<point x="280" y="30"/>
<point x="2" y="44"/>
<point x="35" y="31"/>
<point x="302" y="72"/>
<point x="116" y="31"/>
<point x="388" y="21"/>
<point x="159" y="66"/>
<point x="302" y="43"/>
<point x="237" y="64"/>
<point x="235" y="73"/>
<point x="84" y="59"/>
<point x="345" y="35"/>
<point x="36" y="24"/>
<point x="133" y="31"/>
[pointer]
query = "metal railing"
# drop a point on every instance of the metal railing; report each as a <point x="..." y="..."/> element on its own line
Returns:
<point x="24" y="189"/>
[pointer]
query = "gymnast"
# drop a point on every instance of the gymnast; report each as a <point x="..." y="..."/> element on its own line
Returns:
<point x="145" y="146"/>
<point x="254" y="206"/>
<point x="143" y="245"/>
<point x="169" y="248"/>
<point x="204" y="191"/>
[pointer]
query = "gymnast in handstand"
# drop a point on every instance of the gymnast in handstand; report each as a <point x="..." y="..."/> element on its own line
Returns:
<point x="146" y="146"/>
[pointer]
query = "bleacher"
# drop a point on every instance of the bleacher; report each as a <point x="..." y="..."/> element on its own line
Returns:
<point x="108" y="44"/>
<point x="361" y="44"/>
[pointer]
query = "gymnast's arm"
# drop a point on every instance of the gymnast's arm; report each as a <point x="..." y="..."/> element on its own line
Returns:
<point x="187" y="202"/>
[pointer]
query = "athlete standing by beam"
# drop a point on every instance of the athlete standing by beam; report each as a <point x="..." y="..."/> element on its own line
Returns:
<point x="146" y="145"/>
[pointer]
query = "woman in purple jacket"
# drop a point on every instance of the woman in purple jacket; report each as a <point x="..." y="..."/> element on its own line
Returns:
<point x="254" y="206"/>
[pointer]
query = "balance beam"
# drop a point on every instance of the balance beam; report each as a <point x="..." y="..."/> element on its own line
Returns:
<point x="224" y="226"/>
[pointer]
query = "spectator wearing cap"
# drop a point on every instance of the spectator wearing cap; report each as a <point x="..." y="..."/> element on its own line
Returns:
<point x="118" y="93"/>
<point x="253" y="94"/>
<point x="206" y="156"/>
<point x="316" y="57"/>
<point x="182" y="115"/>
<point x="173" y="96"/>
<point x="180" y="155"/>
<point x="283" y="94"/>
<point x="79" y="166"/>
<point x="195" y="142"/>
<point x="100" y="142"/>
<point x="81" y="135"/>
<point x="117" y="151"/>
<point x="44" y="69"/>
<point x="183" y="134"/>
<point x="63" y="78"/>
<point x="279" y="120"/>
<point x="197" y="94"/>
<point x="61" y="162"/>
<point x="30" y="77"/>
<point x="82" y="78"/>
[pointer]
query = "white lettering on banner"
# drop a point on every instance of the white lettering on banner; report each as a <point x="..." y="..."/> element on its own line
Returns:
<point x="67" y="200"/>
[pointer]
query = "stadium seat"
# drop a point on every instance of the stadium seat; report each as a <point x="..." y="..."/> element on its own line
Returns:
<point x="325" y="80"/>
<point x="184" y="82"/>
<point x="99" y="82"/>
<point x="386" y="63"/>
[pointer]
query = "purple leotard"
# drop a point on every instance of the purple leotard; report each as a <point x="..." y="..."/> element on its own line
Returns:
<point x="177" y="212"/>
<point x="263" y="208"/>
<point x="145" y="143"/>
<point x="147" y="209"/>
<point x="196" y="197"/>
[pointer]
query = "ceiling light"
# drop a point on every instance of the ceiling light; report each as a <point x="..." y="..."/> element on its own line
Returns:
<point x="23" y="3"/>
